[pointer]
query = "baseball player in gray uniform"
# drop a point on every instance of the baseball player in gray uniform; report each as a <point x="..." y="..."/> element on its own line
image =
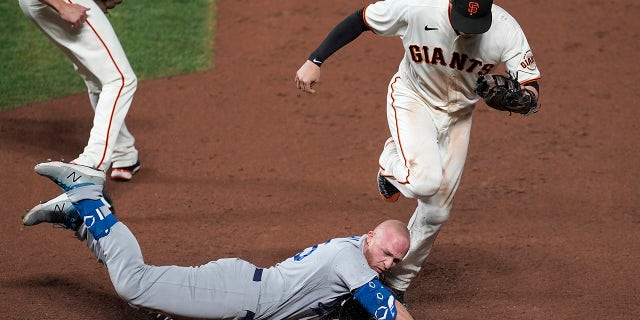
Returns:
<point x="448" y="45"/>
<point x="310" y="285"/>
<point x="84" y="34"/>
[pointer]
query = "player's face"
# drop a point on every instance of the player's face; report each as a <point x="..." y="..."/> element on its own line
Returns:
<point x="466" y="35"/>
<point x="384" y="250"/>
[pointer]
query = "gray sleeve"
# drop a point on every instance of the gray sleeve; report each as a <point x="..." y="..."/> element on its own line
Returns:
<point x="352" y="268"/>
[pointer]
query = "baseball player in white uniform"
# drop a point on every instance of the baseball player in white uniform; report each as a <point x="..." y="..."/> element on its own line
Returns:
<point x="82" y="31"/>
<point x="310" y="285"/>
<point x="448" y="45"/>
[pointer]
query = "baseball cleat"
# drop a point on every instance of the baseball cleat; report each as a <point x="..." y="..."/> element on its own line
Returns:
<point x="58" y="211"/>
<point x="125" y="173"/>
<point x="70" y="176"/>
<point x="388" y="192"/>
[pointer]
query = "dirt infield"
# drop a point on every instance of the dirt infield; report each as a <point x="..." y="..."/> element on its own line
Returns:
<point x="238" y="163"/>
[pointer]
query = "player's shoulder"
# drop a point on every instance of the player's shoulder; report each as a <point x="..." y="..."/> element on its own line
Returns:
<point x="409" y="5"/>
<point x="342" y="245"/>
<point x="349" y="241"/>
<point x="425" y="3"/>
<point x="503" y="18"/>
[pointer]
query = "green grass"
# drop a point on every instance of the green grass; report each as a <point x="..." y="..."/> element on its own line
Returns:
<point x="160" y="37"/>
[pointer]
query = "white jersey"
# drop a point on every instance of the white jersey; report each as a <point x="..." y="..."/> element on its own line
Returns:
<point x="441" y="66"/>
<point x="312" y="283"/>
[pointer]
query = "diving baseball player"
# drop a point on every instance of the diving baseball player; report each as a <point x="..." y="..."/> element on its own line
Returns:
<point x="310" y="285"/>
<point x="450" y="47"/>
<point x="84" y="34"/>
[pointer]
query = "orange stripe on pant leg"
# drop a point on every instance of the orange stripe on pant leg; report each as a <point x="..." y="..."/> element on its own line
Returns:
<point x="115" y="103"/>
<point x="393" y="100"/>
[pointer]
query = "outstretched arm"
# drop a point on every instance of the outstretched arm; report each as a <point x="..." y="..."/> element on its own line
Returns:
<point x="403" y="314"/>
<point x="343" y="33"/>
<point x="534" y="88"/>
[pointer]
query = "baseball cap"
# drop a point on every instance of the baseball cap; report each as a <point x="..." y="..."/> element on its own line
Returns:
<point x="471" y="16"/>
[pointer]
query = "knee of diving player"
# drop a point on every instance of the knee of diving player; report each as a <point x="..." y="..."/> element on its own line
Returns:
<point x="127" y="286"/>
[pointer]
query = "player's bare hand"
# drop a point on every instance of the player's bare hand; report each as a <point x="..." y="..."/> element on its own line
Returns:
<point x="307" y="76"/>
<point x="73" y="13"/>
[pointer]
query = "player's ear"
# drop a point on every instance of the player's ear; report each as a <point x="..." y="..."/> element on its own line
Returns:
<point x="370" y="236"/>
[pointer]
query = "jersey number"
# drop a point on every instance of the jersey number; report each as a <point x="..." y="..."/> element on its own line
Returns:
<point x="306" y="252"/>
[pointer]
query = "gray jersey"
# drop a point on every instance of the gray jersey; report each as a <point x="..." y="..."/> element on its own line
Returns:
<point x="312" y="283"/>
<point x="306" y="286"/>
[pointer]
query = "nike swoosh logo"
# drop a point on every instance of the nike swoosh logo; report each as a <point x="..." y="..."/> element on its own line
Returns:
<point x="316" y="61"/>
<point x="429" y="29"/>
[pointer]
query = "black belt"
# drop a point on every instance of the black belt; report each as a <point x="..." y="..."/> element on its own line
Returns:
<point x="257" y="277"/>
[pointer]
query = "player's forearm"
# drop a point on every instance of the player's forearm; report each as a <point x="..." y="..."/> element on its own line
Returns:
<point x="533" y="89"/>
<point x="73" y="13"/>
<point x="55" y="4"/>
<point x="343" y="33"/>
<point x="403" y="314"/>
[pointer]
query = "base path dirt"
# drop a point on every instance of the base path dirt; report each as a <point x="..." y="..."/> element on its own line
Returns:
<point x="237" y="163"/>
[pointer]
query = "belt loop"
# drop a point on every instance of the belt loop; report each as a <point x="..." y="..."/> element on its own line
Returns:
<point x="249" y="315"/>
<point x="257" y="275"/>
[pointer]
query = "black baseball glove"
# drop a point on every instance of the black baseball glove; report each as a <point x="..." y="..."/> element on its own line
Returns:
<point x="505" y="94"/>
<point x="106" y="5"/>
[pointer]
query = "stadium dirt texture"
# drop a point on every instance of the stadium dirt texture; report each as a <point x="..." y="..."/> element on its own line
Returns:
<point x="238" y="163"/>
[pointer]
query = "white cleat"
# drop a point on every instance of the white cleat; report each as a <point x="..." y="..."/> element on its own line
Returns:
<point x="70" y="176"/>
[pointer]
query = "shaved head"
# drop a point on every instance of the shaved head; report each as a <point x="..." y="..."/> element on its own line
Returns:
<point x="394" y="226"/>
<point x="386" y="245"/>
